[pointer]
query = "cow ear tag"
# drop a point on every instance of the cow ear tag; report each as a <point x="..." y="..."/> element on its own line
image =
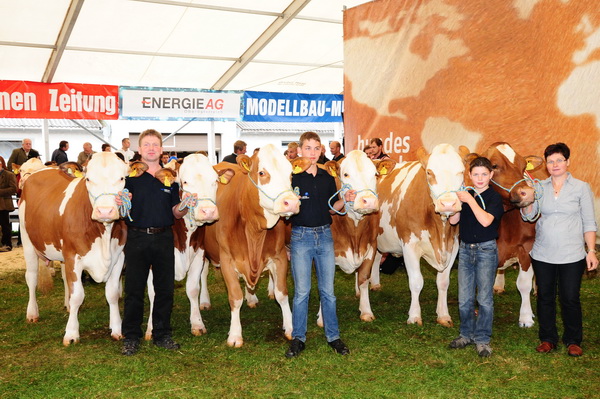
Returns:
<point x="246" y="166"/>
<point x="297" y="169"/>
<point x="167" y="182"/>
<point x="78" y="174"/>
<point x="529" y="166"/>
<point x="333" y="173"/>
<point x="222" y="179"/>
<point x="132" y="173"/>
<point x="383" y="171"/>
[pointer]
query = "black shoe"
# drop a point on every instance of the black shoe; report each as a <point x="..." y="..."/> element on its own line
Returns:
<point x="167" y="343"/>
<point x="340" y="347"/>
<point x="130" y="347"/>
<point x="296" y="347"/>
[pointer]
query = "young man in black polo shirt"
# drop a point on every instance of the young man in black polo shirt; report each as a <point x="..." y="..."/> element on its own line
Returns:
<point x="150" y="243"/>
<point x="311" y="241"/>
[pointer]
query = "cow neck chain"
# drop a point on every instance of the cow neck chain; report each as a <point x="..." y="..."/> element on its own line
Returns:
<point x="538" y="191"/>
<point x="345" y="187"/>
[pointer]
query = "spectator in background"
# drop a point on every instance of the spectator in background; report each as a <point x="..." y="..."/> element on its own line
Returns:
<point x="336" y="150"/>
<point x="136" y="157"/>
<point x="60" y="154"/>
<point x="127" y="153"/>
<point x="164" y="159"/>
<point x="8" y="187"/>
<point x="239" y="147"/>
<point x="377" y="149"/>
<point x="322" y="158"/>
<point x="367" y="151"/>
<point x="292" y="151"/>
<point x="85" y="155"/>
<point x="106" y="147"/>
<point x="20" y="155"/>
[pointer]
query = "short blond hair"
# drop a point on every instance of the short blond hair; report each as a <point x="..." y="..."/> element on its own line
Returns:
<point x="291" y="145"/>
<point x="309" y="136"/>
<point x="149" y="132"/>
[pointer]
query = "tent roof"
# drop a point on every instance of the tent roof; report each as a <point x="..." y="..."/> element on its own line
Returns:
<point x="269" y="45"/>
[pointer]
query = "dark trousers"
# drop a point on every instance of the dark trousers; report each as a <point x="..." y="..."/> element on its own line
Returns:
<point x="142" y="251"/>
<point x="6" y="229"/>
<point x="567" y="278"/>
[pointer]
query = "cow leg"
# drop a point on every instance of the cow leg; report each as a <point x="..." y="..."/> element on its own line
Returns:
<point x="320" y="317"/>
<point x="112" y="293"/>
<point x="415" y="284"/>
<point x="73" y="272"/>
<point x="192" y="288"/>
<point x="375" y="281"/>
<point x="31" y="276"/>
<point x="271" y="287"/>
<point x="525" y="285"/>
<point x="251" y="297"/>
<point x="281" y="293"/>
<point x="236" y="299"/>
<point x="443" y="281"/>
<point x="362" y="277"/>
<point x="500" y="282"/>
<point x="66" y="285"/>
<point x="151" y="293"/>
<point x="204" y="294"/>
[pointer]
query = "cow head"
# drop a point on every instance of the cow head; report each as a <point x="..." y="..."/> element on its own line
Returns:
<point x="357" y="172"/>
<point x="198" y="177"/>
<point x="271" y="173"/>
<point x="105" y="177"/>
<point x="512" y="174"/>
<point x="25" y="170"/>
<point x="445" y="168"/>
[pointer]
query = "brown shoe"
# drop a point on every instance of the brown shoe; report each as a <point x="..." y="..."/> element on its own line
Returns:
<point x="575" y="350"/>
<point x="545" y="347"/>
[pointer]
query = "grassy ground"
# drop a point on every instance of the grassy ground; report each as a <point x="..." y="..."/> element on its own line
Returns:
<point x="388" y="359"/>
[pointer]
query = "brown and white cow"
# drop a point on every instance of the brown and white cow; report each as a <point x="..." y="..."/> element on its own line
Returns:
<point x="198" y="178"/>
<point x="515" y="236"/>
<point x="415" y="201"/>
<point x="75" y="220"/>
<point x="355" y="232"/>
<point x="248" y="238"/>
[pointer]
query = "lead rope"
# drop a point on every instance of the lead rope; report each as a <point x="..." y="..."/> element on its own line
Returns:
<point x="462" y="188"/>
<point x="125" y="207"/>
<point x="346" y="187"/>
<point x="538" y="191"/>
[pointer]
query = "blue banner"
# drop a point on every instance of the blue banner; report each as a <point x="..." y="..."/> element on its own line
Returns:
<point x="262" y="106"/>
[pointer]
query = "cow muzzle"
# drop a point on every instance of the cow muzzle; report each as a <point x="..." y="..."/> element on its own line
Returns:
<point x="105" y="214"/>
<point x="206" y="213"/>
<point x="448" y="204"/>
<point x="365" y="204"/>
<point x="286" y="205"/>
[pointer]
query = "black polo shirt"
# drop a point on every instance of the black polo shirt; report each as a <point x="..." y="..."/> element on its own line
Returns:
<point x="470" y="230"/>
<point x="315" y="192"/>
<point x="151" y="201"/>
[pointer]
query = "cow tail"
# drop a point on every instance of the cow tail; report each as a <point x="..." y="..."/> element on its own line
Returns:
<point x="45" y="282"/>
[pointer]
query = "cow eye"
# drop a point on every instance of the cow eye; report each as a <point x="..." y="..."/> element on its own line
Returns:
<point x="495" y="166"/>
<point x="87" y="179"/>
<point x="261" y="173"/>
<point x="345" y="174"/>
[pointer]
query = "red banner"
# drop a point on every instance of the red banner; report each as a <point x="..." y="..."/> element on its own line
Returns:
<point x="20" y="99"/>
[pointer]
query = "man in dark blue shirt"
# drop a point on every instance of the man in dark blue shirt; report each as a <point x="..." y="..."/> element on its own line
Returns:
<point x="312" y="241"/>
<point x="150" y="243"/>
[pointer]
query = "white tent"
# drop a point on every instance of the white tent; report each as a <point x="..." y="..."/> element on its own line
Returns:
<point x="268" y="45"/>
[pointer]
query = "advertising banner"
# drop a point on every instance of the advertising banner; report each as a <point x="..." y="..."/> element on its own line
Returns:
<point x="178" y="104"/>
<point x="292" y="107"/>
<point x="21" y="99"/>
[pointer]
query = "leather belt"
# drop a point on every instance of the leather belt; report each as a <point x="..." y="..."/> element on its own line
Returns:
<point x="148" y="230"/>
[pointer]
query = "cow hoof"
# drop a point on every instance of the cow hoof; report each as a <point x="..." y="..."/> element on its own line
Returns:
<point x="148" y="336"/>
<point x="320" y="323"/>
<point x="116" y="337"/>
<point x="253" y="305"/>
<point x="272" y="296"/>
<point x="376" y="287"/>
<point x="499" y="291"/>
<point x="526" y="324"/>
<point x="33" y="319"/>
<point x="445" y="321"/>
<point x="205" y="306"/>
<point x="198" y="331"/>
<point x="415" y="320"/>
<point x="357" y="294"/>
<point x="69" y="341"/>
<point x="367" y="317"/>
<point x="236" y="342"/>
<point x="288" y="335"/>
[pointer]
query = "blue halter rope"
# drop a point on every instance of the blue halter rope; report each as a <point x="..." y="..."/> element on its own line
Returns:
<point x="346" y="187"/>
<point x="267" y="195"/>
<point x="538" y="194"/>
<point x="190" y="203"/>
<point x="462" y="188"/>
<point x="125" y="207"/>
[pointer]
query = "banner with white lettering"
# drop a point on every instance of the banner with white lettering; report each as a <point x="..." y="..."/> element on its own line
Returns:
<point x="292" y="107"/>
<point x="21" y="99"/>
<point x="178" y="104"/>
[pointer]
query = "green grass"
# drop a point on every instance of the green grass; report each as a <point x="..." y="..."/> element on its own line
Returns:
<point x="389" y="358"/>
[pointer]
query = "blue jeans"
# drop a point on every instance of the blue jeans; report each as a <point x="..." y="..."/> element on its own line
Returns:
<point x="310" y="244"/>
<point x="477" y="265"/>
